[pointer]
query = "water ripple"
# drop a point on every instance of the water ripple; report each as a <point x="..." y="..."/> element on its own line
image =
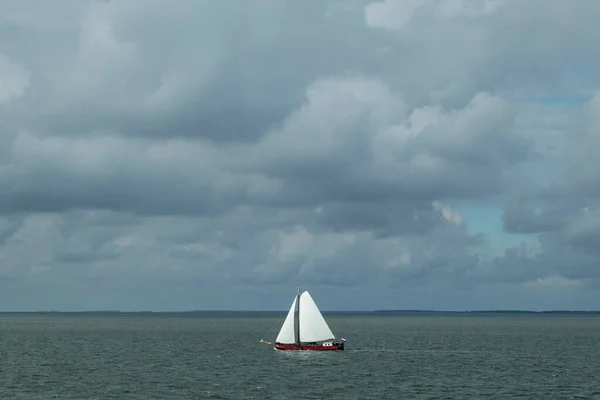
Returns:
<point x="45" y="357"/>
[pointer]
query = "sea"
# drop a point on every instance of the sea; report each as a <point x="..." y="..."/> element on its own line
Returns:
<point x="218" y="356"/>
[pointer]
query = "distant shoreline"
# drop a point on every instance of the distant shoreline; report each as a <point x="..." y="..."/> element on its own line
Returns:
<point x="249" y="313"/>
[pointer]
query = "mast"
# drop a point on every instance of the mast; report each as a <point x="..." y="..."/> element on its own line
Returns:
<point x="297" y="317"/>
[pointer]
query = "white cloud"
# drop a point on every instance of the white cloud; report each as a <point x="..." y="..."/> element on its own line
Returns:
<point x="14" y="80"/>
<point x="448" y="213"/>
<point x="396" y="14"/>
<point x="555" y="283"/>
<point x="390" y="14"/>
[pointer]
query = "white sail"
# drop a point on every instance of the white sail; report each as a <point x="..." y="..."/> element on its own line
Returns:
<point x="313" y="327"/>
<point x="287" y="334"/>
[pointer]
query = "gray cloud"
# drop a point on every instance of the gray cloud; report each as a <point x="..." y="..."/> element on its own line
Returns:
<point x="211" y="151"/>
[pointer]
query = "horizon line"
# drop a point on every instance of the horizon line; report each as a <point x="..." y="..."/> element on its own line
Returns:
<point x="379" y="311"/>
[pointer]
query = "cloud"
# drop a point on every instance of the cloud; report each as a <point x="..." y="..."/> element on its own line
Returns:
<point x="221" y="154"/>
<point x="564" y="212"/>
<point x="397" y="14"/>
<point x="15" y="80"/>
<point x="353" y="137"/>
<point x="109" y="171"/>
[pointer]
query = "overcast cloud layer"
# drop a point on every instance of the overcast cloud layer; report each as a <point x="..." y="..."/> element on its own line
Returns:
<point x="159" y="155"/>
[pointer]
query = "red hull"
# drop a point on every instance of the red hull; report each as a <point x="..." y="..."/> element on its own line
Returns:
<point x="334" y="346"/>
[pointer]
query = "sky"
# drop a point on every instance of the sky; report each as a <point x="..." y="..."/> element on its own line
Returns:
<point x="401" y="154"/>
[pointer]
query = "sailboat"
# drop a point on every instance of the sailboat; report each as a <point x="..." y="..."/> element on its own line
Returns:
<point x="305" y="328"/>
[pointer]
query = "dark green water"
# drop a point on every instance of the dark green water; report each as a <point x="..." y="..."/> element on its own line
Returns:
<point x="157" y="357"/>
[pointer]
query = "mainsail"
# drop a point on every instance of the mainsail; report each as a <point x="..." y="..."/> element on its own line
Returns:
<point x="313" y="327"/>
<point x="286" y="334"/>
